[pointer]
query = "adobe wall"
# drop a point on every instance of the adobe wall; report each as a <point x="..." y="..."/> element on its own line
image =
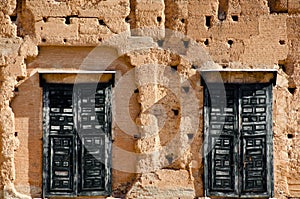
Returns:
<point x="155" y="46"/>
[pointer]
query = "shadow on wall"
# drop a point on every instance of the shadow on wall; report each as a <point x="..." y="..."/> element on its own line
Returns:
<point x="27" y="107"/>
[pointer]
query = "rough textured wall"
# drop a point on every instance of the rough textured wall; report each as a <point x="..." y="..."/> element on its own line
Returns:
<point x="156" y="46"/>
<point x="14" y="51"/>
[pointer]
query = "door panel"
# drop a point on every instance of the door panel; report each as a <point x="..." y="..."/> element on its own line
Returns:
<point x="222" y="127"/>
<point x="59" y="141"/>
<point x="255" y="111"/>
<point x="254" y="164"/>
<point x="61" y="164"/>
<point x="221" y="163"/>
<point x="93" y="131"/>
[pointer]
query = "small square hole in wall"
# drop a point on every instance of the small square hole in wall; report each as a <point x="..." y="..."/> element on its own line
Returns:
<point x="208" y="23"/>
<point x="160" y="43"/>
<point x="13" y="18"/>
<point x="230" y="42"/>
<point x="174" y="68"/>
<point x="101" y="22"/>
<point x="290" y="136"/>
<point x="292" y="90"/>
<point x="159" y="19"/>
<point x="127" y="19"/>
<point x="235" y="18"/>
<point x="206" y="42"/>
<point x="281" y="42"/>
<point x="67" y="20"/>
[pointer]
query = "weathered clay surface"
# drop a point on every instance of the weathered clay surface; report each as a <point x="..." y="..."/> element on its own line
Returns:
<point x="156" y="46"/>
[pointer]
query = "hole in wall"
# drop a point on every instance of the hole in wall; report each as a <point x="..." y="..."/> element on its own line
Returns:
<point x="100" y="39"/>
<point x="208" y="21"/>
<point x="160" y="43"/>
<point x="182" y="20"/>
<point x="42" y="28"/>
<point x="67" y="20"/>
<point x="13" y="18"/>
<point x="186" y="43"/>
<point x="136" y="90"/>
<point x="230" y="42"/>
<point x="174" y="68"/>
<point x="43" y="40"/>
<point x="45" y="19"/>
<point x="158" y="19"/>
<point x="235" y="18"/>
<point x="65" y="40"/>
<point x="190" y="136"/>
<point x="127" y="19"/>
<point x="136" y="136"/>
<point x="281" y="42"/>
<point x="225" y="66"/>
<point x="186" y="89"/>
<point x="206" y="42"/>
<point x="170" y="158"/>
<point x="16" y="134"/>
<point x="101" y="22"/>
<point x="292" y="90"/>
<point x="175" y="111"/>
<point x="19" y="78"/>
<point x="290" y="136"/>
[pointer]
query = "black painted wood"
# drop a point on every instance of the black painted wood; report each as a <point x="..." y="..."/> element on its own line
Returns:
<point x="77" y="140"/>
<point x="238" y="140"/>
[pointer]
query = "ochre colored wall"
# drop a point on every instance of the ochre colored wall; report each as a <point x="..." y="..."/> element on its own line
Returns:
<point x="156" y="48"/>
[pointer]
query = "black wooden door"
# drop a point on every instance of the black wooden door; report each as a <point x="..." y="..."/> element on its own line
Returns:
<point x="94" y="114"/>
<point x="77" y="140"/>
<point x="238" y="140"/>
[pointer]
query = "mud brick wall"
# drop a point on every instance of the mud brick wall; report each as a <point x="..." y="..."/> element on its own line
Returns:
<point x="155" y="47"/>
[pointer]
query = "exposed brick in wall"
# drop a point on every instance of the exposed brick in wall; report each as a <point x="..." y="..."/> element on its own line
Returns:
<point x="226" y="33"/>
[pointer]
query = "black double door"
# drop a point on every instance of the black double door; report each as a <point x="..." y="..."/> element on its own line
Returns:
<point x="77" y="139"/>
<point x="238" y="140"/>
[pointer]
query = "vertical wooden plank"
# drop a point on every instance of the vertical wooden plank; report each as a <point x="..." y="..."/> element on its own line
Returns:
<point x="45" y="140"/>
<point x="59" y="163"/>
<point x="220" y="140"/>
<point x="270" y="171"/>
<point x="94" y="129"/>
<point x="108" y="140"/>
<point x="255" y="140"/>
<point x="205" y="142"/>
